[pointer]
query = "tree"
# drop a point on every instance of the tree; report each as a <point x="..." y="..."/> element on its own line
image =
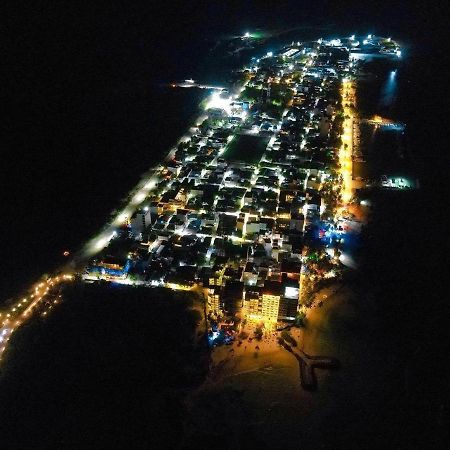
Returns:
<point x="258" y="333"/>
<point x="300" y="319"/>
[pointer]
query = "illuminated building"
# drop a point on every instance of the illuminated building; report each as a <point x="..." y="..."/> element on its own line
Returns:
<point x="111" y="267"/>
<point x="271" y="296"/>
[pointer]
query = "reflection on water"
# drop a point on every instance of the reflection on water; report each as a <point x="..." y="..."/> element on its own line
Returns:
<point x="388" y="93"/>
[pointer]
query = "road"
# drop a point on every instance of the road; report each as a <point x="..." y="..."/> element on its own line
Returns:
<point x="12" y="317"/>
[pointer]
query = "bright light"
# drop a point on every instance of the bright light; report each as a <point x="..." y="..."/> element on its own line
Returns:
<point x="291" y="292"/>
<point x="101" y="243"/>
<point x="216" y="101"/>
<point x="139" y="197"/>
<point x="247" y="35"/>
<point x="352" y="37"/>
<point x="398" y="53"/>
<point x="369" y="36"/>
<point x="269" y="54"/>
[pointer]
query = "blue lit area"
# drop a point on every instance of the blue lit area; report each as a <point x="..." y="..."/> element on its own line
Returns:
<point x="220" y="337"/>
<point x="105" y="269"/>
<point x="389" y="91"/>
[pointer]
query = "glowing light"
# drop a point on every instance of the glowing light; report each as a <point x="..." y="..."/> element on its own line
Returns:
<point x="247" y="35"/>
<point x="269" y="54"/>
<point x="216" y="101"/>
<point x="139" y="197"/>
<point x="150" y="184"/>
<point x="101" y="243"/>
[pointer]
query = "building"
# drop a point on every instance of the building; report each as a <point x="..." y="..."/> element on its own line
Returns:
<point x="253" y="303"/>
<point x="271" y="296"/>
<point x="140" y="221"/>
<point x="289" y="299"/>
<point x="110" y="267"/>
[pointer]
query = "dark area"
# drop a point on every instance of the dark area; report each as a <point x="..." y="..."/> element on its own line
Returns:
<point x="400" y="274"/>
<point x="108" y="368"/>
<point x="246" y="148"/>
<point x="384" y="153"/>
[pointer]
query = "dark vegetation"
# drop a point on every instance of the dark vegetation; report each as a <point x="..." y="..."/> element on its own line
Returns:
<point x="246" y="148"/>
<point x="109" y="368"/>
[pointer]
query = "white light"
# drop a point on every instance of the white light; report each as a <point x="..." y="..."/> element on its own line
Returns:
<point x="269" y="54"/>
<point x="369" y="36"/>
<point x="291" y="292"/>
<point x="398" y="53"/>
<point x="216" y="101"/>
<point x="139" y="197"/>
<point x="352" y="37"/>
<point x="145" y="208"/>
<point x="101" y="243"/>
<point x="247" y="34"/>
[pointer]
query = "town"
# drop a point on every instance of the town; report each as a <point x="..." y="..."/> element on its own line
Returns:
<point x="250" y="209"/>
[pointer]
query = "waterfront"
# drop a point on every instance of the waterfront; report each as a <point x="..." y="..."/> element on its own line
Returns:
<point x="402" y="329"/>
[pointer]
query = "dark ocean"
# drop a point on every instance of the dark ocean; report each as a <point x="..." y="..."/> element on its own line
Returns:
<point x="88" y="112"/>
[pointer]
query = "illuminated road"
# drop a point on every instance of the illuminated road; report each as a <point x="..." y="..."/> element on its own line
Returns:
<point x="16" y="314"/>
<point x="346" y="150"/>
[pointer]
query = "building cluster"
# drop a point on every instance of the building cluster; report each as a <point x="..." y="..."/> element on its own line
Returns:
<point x="241" y="197"/>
